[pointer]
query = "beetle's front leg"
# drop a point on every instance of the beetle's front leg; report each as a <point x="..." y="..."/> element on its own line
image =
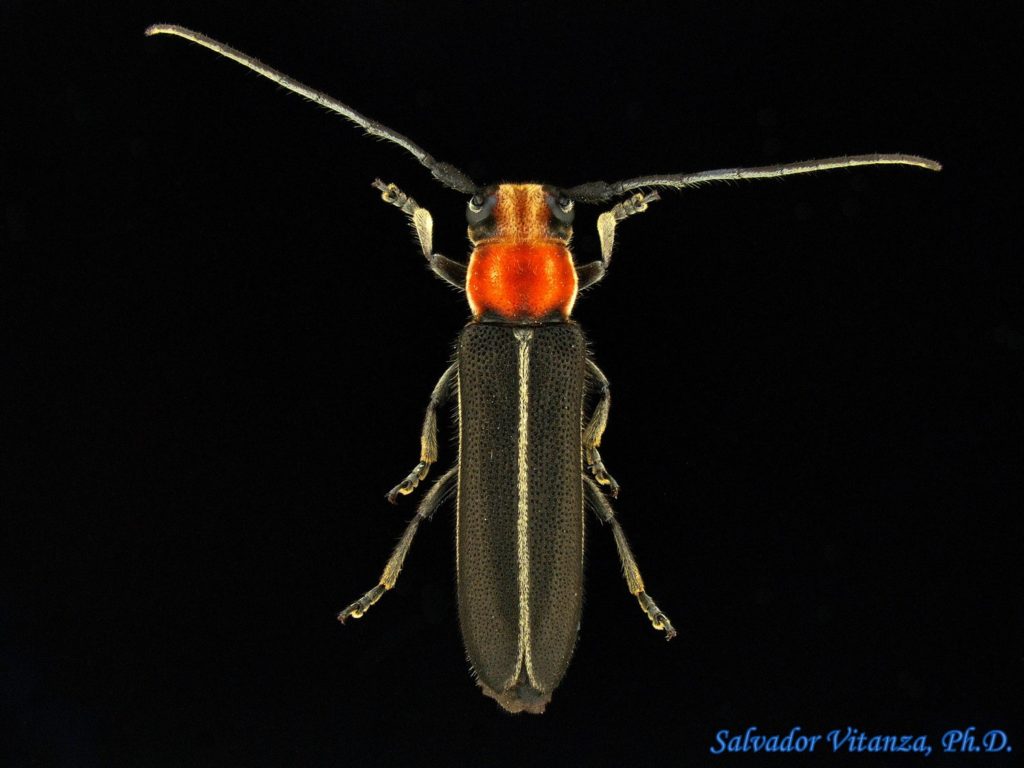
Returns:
<point x="595" y="429"/>
<point x="588" y="274"/>
<point x="603" y="509"/>
<point x="423" y="223"/>
<point x="428" y="437"/>
<point x="428" y="506"/>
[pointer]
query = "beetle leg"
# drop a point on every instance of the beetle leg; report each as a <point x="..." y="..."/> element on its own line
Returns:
<point x="423" y="223"/>
<point x="595" y="429"/>
<point x="428" y="506"/>
<point x="428" y="437"/>
<point x="588" y="274"/>
<point x="606" y="514"/>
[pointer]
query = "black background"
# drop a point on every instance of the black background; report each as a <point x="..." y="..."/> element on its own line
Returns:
<point x="221" y="343"/>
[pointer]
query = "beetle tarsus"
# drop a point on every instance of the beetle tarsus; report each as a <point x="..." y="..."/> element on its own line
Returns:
<point x="391" y="194"/>
<point x="411" y="481"/>
<point x="597" y="469"/>
<point x="362" y="605"/>
<point x="636" y="204"/>
<point x="658" y="619"/>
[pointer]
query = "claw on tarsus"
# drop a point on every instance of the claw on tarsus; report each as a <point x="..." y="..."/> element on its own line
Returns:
<point x="658" y="619"/>
<point x="362" y="605"/>
<point x="411" y="481"/>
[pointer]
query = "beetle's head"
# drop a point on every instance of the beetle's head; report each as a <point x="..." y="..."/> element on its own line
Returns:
<point x="519" y="213"/>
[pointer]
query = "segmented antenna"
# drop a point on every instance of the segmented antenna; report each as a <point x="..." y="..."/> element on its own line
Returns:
<point x="591" y="192"/>
<point x="447" y="174"/>
<point x="599" y="191"/>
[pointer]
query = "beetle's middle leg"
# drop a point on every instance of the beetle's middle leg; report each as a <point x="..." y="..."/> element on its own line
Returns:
<point x="603" y="509"/>
<point x="588" y="274"/>
<point x="447" y="269"/>
<point x="428" y="506"/>
<point x="428" y="437"/>
<point x="595" y="429"/>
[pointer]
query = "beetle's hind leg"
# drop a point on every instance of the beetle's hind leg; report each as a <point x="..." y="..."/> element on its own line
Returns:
<point x="604" y="511"/>
<point x="428" y="437"/>
<point x="423" y="223"/>
<point x="595" y="429"/>
<point x="428" y="506"/>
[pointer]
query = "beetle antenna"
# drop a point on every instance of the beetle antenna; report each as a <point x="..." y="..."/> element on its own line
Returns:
<point x="599" y="191"/>
<point x="447" y="174"/>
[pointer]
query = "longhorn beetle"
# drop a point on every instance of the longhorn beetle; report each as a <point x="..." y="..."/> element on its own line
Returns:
<point x="528" y="461"/>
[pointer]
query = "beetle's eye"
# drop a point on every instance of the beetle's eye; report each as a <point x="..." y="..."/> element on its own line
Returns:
<point x="479" y="208"/>
<point x="562" y="208"/>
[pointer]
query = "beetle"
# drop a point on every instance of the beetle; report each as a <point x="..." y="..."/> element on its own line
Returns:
<point x="529" y="463"/>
